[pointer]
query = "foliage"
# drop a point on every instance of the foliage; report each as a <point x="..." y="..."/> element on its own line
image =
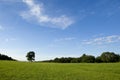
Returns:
<point x="104" y="58"/>
<point x="75" y="60"/>
<point x="30" y="56"/>
<point x="98" y="59"/>
<point x="87" y="58"/>
<point x="63" y="60"/>
<point x="109" y="57"/>
<point x="5" y="57"/>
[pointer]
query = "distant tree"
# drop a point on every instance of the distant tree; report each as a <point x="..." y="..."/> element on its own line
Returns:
<point x="75" y="60"/>
<point x="109" y="57"/>
<point x="56" y="60"/>
<point x="69" y="59"/>
<point x="87" y="58"/>
<point x="62" y="60"/>
<point x="119" y="58"/>
<point x="104" y="57"/>
<point x="98" y="59"/>
<point x="30" y="56"/>
<point x="5" y="57"/>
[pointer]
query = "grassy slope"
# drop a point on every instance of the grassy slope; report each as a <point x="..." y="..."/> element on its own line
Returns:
<point x="56" y="71"/>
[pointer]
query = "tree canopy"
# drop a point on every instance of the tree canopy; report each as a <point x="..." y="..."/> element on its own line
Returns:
<point x="109" y="57"/>
<point x="30" y="56"/>
<point x="105" y="57"/>
<point x="5" y="57"/>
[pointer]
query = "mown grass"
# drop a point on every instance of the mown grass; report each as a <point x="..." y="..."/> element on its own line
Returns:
<point x="11" y="70"/>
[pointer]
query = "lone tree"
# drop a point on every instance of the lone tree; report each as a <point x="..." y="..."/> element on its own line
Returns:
<point x="30" y="56"/>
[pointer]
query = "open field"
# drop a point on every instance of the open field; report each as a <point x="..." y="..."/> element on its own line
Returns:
<point x="56" y="71"/>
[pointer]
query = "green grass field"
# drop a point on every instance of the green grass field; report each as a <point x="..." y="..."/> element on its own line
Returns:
<point x="10" y="70"/>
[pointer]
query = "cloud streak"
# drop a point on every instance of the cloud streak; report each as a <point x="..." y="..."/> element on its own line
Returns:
<point x="10" y="39"/>
<point x="103" y="40"/>
<point x="1" y="28"/>
<point x="65" y="39"/>
<point x="37" y="12"/>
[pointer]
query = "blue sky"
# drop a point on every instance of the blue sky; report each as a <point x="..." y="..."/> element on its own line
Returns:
<point x="59" y="28"/>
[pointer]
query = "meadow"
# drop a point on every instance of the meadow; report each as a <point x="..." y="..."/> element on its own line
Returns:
<point x="13" y="70"/>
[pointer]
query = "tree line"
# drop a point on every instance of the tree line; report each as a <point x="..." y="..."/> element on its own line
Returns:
<point x="5" y="57"/>
<point x="105" y="57"/>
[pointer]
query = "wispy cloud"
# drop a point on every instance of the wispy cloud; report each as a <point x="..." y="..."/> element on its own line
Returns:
<point x="1" y="28"/>
<point x="65" y="39"/>
<point x="55" y="43"/>
<point x="10" y="39"/>
<point x="37" y="12"/>
<point x="103" y="40"/>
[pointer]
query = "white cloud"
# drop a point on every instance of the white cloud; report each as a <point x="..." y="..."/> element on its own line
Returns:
<point x="37" y="12"/>
<point x="1" y="28"/>
<point x="10" y="39"/>
<point x="65" y="39"/>
<point x="56" y="42"/>
<point x="103" y="40"/>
